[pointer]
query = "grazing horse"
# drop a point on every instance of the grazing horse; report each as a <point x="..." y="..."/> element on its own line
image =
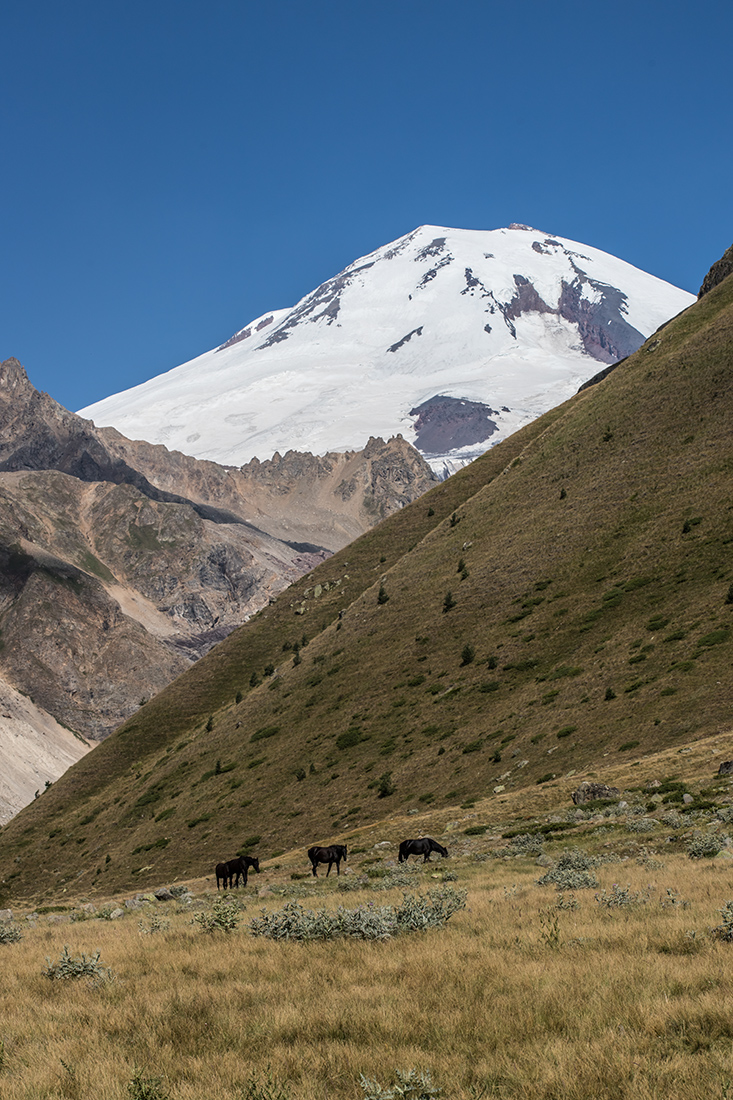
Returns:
<point x="421" y="847"/>
<point x="331" y="855"/>
<point x="230" y="871"/>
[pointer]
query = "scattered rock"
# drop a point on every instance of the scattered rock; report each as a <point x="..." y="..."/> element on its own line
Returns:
<point x="383" y="844"/>
<point x="88" y="908"/>
<point x="6" y="915"/>
<point x="726" y="768"/>
<point x="590" y="792"/>
<point x="58" y="918"/>
<point x="163" y="894"/>
<point x="654" y="783"/>
<point x="687" y="799"/>
<point x="133" y="903"/>
<point x="116" y="914"/>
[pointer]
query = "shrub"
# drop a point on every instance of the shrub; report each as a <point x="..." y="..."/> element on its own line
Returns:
<point x="385" y="786"/>
<point x="527" y="844"/>
<point x="224" y="916"/>
<point x="410" y="1084"/>
<point x="704" y="847"/>
<point x="156" y="924"/>
<point x="468" y="653"/>
<point x="642" y="825"/>
<point x="572" y="871"/>
<point x="146" y="1088"/>
<point x="620" y="897"/>
<point x="715" y="637"/>
<point x="448" y="601"/>
<point x="610" y="693"/>
<point x="724" y="931"/>
<point x="248" y="844"/>
<point x="367" y="922"/>
<point x="267" y="1088"/>
<point x="565" y="731"/>
<point x="10" y="933"/>
<point x="85" y="966"/>
<point x="265" y="732"/>
<point x="382" y="596"/>
<point x="349" y="738"/>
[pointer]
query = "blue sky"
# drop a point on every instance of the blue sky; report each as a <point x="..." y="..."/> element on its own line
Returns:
<point x="173" y="169"/>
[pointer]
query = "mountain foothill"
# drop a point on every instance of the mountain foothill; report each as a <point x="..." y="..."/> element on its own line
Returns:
<point x="122" y="563"/>
<point x="560" y="604"/>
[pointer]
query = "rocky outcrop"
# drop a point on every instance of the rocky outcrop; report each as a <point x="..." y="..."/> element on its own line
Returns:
<point x="720" y="270"/>
<point x="592" y="792"/>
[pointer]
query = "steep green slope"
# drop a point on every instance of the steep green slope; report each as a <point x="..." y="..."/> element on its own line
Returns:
<point x="565" y="598"/>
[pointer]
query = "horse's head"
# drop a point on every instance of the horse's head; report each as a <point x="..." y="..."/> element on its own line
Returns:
<point x="256" y="865"/>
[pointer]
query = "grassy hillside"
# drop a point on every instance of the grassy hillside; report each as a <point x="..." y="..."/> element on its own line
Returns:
<point x="563" y="603"/>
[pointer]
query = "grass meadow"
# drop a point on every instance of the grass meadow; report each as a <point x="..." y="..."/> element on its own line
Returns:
<point x="526" y="992"/>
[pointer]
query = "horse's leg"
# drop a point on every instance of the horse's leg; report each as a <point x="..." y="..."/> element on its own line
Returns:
<point x="328" y="872"/>
<point x="313" y="869"/>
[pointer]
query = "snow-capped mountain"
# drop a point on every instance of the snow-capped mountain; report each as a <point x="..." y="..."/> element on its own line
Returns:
<point x="454" y="338"/>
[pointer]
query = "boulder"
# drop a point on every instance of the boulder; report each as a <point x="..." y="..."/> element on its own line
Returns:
<point x="726" y="768"/>
<point x="116" y="914"/>
<point x="163" y="894"/>
<point x="6" y="915"/>
<point x="590" y="792"/>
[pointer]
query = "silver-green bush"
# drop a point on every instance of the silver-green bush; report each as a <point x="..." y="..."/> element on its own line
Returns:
<point x="572" y="871"/>
<point x="368" y="922"/>
<point x="410" y="1083"/>
<point x="68" y="967"/>
<point x="224" y="916"/>
<point x="724" y="931"/>
<point x="704" y="847"/>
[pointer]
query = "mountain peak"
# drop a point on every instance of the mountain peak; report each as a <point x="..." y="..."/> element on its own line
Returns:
<point x="511" y="321"/>
<point x="13" y="377"/>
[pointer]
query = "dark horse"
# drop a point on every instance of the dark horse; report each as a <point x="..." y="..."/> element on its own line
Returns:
<point x="230" y="871"/>
<point x="422" y="847"/>
<point x="331" y="855"/>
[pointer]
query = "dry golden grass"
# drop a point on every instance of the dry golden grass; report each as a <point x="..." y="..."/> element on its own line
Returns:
<point x="514" y="998"/>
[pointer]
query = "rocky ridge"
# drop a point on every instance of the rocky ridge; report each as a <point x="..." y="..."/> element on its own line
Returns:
<point x="122" y="562"/>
